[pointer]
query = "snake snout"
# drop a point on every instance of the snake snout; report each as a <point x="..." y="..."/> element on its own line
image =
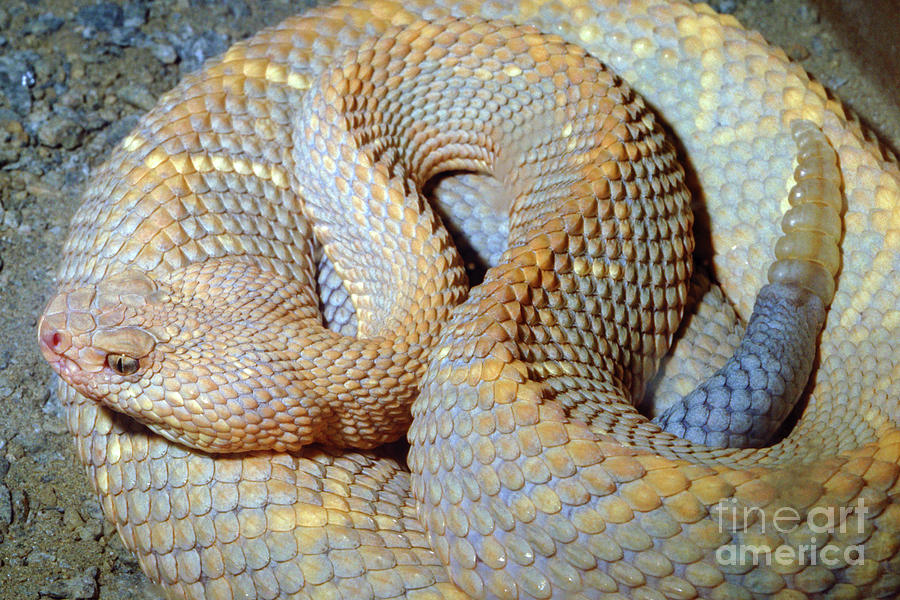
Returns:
<point x="55" y="343"/>
<point x="53" y="338"/>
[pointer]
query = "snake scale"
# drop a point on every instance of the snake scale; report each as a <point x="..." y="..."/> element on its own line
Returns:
<point x="523" y="483"/>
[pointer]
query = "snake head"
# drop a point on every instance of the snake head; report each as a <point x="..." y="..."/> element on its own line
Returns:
<point x="191" y="355"/>
<point x="91" y="337"/>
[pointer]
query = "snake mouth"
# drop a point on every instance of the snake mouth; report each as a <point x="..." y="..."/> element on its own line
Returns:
<point x="64" y="366"/>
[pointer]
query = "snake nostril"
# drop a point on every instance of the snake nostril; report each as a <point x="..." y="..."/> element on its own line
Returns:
<point x="53" y="339"/>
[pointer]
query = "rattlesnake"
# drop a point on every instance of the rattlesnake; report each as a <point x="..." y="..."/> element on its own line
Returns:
<point x="580" y="511"/>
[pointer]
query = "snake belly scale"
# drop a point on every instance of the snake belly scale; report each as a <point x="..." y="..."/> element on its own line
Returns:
<point x="566" y="509"/>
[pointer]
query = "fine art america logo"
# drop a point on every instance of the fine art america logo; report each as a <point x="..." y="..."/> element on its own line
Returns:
<point x="815" y="529"/>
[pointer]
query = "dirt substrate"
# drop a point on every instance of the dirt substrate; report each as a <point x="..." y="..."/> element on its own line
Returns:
<point x="74" y="77"/>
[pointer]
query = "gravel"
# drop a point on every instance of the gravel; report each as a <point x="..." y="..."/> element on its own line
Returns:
<point x="75" y="75"/>
<point x="74" y="78"/>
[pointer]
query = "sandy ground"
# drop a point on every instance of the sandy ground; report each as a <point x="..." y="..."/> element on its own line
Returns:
<point x="74" y="77"/>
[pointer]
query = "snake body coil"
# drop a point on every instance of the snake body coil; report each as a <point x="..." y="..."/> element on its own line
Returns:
<point x="533" y="475"/>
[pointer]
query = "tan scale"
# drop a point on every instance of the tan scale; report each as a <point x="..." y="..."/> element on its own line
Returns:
<point x="553" y="506"/>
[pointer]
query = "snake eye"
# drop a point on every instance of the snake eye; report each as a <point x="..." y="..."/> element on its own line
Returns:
<point x="122" y="364"/>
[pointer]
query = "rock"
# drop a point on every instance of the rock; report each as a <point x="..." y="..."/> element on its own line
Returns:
<point x="46" y="496"/>
<point x="54" y="426"/>
<point x="136" y="95"/>
<point x="238" y="8"/>
<point x="724" y="6"/>
<point x="12" y="139"/>
<point x="195" y="49"/>
<point x="39" y="558"/>
<point x="31" y="441"/>
<point x="11" y="220"/>
<point x="836" y="83"/>
<point x="91" y="530"/>
<point x="91" y="510"/>
<point x="797" y="52"/>
<point x="101" y="17"/>
<point x="6" y="507"/>
<point x="59" y="131"/>
<point x="807" y="13"/>
<point x="53" y="407"/>
<point x="20" y="504"/>
<point x="107" y="137"/>
<point x="12" y="130"/>
<point x="15" y="552"/>
<point x="45" y="24"/>
<point x="71" y="518"/>
<point x="125" y="36"/>
<point x="8" y="154"/>
<point x="80" y="587"/>
<point x="819" y="47"/>
<point x="6" y="388"/>
<point x="127" y="581"/>
<point x="17" y="78"/>
<point x="134" y="14"/>
<point x="164" y="53"/>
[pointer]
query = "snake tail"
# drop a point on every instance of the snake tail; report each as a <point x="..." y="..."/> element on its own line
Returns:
<point x="746" y="401"/>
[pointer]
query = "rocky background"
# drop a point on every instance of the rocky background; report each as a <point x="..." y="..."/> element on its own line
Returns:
<point x="75" y="75"/>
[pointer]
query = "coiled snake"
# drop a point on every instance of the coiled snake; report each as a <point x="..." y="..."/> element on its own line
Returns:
<point x="533" y="475"/>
